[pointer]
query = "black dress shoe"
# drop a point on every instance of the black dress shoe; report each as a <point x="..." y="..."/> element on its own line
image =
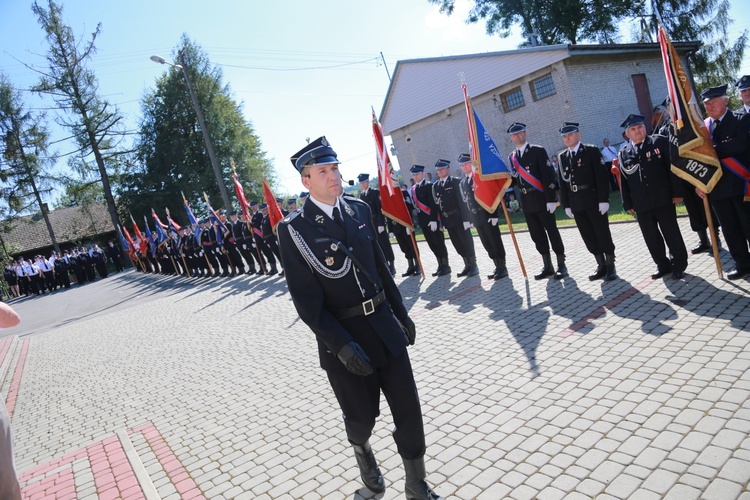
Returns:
<point x="701" y="248"/>
<point x="736" y="274"/>
<point x="678" y="275"/>
<point x="660" y="272"/>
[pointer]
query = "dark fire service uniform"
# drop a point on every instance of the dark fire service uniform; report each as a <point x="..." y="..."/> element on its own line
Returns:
<point x="372" y="198"/>
<point x="342" y="289"/>
<point x="455" y="218"/>
<point x="534" y="199"/>
<point x="648" y="187"/>
<point x="584" y="186"/>
<point x="427" y="211"/>
<point x="485" y="223"/>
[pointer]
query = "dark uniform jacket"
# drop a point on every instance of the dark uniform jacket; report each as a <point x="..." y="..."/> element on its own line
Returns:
<point x="536" y="162"/>
<point x="447" y="195"/>
<point x="423" y="194"/>
<point x="646" y="175"/>
<point x="372" y="198"/>
<point x="584" y="179"/>
<point x="477" y="214"/>
<point x="323" y="279"/>
<point x="730" y="140"/>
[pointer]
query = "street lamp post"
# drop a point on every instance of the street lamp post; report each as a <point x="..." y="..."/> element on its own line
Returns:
<point x="202" y="123"/>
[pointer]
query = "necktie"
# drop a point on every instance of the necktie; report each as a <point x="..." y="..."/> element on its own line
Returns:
<point x="714" y="124"/>
<point x="518" y="153"/>
<point x="337" y="217"/>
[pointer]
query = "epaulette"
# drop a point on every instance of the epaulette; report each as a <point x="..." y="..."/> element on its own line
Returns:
<point x="292" y="215"/>
<point x="590" y="145"/>
<point x="351" y="199"/>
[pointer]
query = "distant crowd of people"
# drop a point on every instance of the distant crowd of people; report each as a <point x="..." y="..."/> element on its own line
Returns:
<point x="26" y="277"/>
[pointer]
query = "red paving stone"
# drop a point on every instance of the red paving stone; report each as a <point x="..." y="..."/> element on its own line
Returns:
<point x="60" y="485"/>
<point x="15" y="383"/>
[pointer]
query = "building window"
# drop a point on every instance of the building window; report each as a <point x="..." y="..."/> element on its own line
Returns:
<point x="512" y="99"/>
<point x="542" y="87"/>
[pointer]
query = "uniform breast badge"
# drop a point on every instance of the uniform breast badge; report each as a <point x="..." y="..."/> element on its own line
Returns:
<point x="329" y="261"/>
<point x="334" y="247"/>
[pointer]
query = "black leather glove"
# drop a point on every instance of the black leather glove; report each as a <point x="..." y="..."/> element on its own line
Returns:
<point x="410" y="329"/>
<point x="355" y="360"/>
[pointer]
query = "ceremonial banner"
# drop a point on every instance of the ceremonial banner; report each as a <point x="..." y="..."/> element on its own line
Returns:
<point x="391" y="197"/>
<point x="126" y="247"/>
<point x="193" y="221"/>
<point x="129" y="241"/>
<point x="274" y="212"/>
<point x="244" y="205"/>
<point x="493" y="176"/>
<point x="691" y="148"/>
<point x="159" y="227"/>
<point x="140" y="240"/>
<point x="149" y="237"/>
<point x="213" y="218"/>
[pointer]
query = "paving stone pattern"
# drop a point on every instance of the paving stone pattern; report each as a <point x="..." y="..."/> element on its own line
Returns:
<point x="550" y="389"/>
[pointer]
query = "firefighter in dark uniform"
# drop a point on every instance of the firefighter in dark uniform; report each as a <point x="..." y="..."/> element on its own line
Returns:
<point x="257" y="222"/>
<point x="246" y="242"/>
<point x="371" y="196"/>
<point x="533" y="174"/>
<point x="427" y="214"/>
<point x="486" y="223"/>
<point x="584" y="193"/>
<point x="650" y="190"/>
<point x="62" y="266"/>
<point x="730" y="197"/>
<point x="230" y="246"/>
<point x="269" y="240"/>
<point x="208" y="244"/>
<point x="342" y="289"/>
<point x="186" y="251"/>
<point x="403" y="238"/>
<point x="454" y="215"/>
<point x="243" y="249"/>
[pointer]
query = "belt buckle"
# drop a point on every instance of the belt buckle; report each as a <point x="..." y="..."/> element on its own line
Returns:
<point x="574" y="188"/>
<point x="368" y="310"/>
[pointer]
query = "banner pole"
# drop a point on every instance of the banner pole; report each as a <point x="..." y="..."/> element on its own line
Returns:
<point x="513" y="237"/>
<point x="714" y="243"/>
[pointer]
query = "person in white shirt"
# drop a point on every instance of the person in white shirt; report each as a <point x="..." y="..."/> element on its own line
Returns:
<point x="609" y="153"/>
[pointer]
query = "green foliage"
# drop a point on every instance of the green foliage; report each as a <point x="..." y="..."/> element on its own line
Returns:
<point x="553" y="21"/>
<point x="171" y="156"/>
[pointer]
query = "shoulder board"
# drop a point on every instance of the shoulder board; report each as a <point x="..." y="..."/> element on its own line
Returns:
<point x="352" y="200"/>
<point x="589" y="146"/>
<point x="292" y="215"/>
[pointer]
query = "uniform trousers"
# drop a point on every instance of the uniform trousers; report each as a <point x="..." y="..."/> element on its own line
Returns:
<point x="385" y="244"/>
<point x="462" y="241"/>
<point x="659" y="226"/>
<point x="436" y="242"/>
<point x="594" y="229"/>
<point x="734" y="218"/>
<point x="542" y="226"/>
<point x="694" y="205"/>
<point x="208" y="251"/>
<point x="404" y="241"/>
<point x="234" y="256"/>
<point x="359" y="399"/>
<point x="489" y="235"/>
<point x="245" y="247"/>
<point x="267" y="252"/>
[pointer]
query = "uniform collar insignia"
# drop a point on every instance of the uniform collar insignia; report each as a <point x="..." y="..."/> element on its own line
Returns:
<point x="319" y="219"/>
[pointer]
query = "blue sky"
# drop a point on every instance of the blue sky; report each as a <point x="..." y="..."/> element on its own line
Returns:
<point x="302" y="69"/>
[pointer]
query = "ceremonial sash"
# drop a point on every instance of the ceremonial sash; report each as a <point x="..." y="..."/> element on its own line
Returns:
<point x="526" y="175"/>
<point x="736" y="167"/>
<point x="424" y="208"/>
<point x="257" y="231"/>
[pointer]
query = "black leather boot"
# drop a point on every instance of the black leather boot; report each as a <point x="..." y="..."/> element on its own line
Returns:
<point x="411" y="269"/>
<point x="473" y="269"/>
<point x="704" y="245"/>
<point x="416" y="488"/>
<point x="500" y="270"/>
<point x="609" y="263"/>
<point x="445" y="268"/>
<point x="562" y="270"/>
<point x="601" y="268"/>
<point x="466" y="269"/>
<point x="368" y="468"/>
<point x="547" y="270"/>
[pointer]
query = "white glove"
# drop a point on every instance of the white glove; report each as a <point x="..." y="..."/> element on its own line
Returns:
<point x="569" y="212"/>
<point x="467" y="225"/>
<point x="408" y="231"/>
<point x="493" y="221"/>
<point x="381" y="229"/>
<point x="603" y="207"/>
<point x="433" y="226"/>
<point x="200" y="254"/>
<point x="244" y="246"/>
<point x="551" y="207"/>
<point x="391" y="235"/>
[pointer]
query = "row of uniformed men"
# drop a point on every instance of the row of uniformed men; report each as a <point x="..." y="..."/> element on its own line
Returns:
<point x="243" y="245"/>
<point x="649" y="189"/>
<point x="41" y="275"/>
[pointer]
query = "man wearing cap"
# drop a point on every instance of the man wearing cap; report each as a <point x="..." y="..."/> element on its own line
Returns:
<point x="535" y="178"/>
<point x="115" y="255"/>
<point x="743" y="88"/>
<point x="403" y="238"/>
<point x="427" y="215"/>
<point x="650" y="190"/>
<point x="730" y="197"/>
<point x="257" y="222"/>
<point x="230" y="246"/>
<point x="486" y="223"/>
<point x="584" y="193"/>
<point x="371" y="196"/>
<point x="342" y="289"/>
<point x="270" y="240"/>
<point x="454" y="216"/>
<point x="240" y="246"/>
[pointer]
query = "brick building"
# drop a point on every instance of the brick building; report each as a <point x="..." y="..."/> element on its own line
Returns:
<point x="594" y="85"/>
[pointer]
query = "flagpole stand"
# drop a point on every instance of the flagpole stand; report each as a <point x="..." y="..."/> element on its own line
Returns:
<point x="513" y="237"/>
<point x="712" y="231"/>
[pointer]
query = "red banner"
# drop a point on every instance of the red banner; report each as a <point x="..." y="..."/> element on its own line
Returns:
<point x="391" y="197"/>
<point x="274" y="212"/>
<point x="244" y="205"/>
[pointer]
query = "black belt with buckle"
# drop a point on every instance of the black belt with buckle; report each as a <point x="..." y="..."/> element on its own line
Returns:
<point x="579" y="187"/>
<point x="364" y="309"/>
